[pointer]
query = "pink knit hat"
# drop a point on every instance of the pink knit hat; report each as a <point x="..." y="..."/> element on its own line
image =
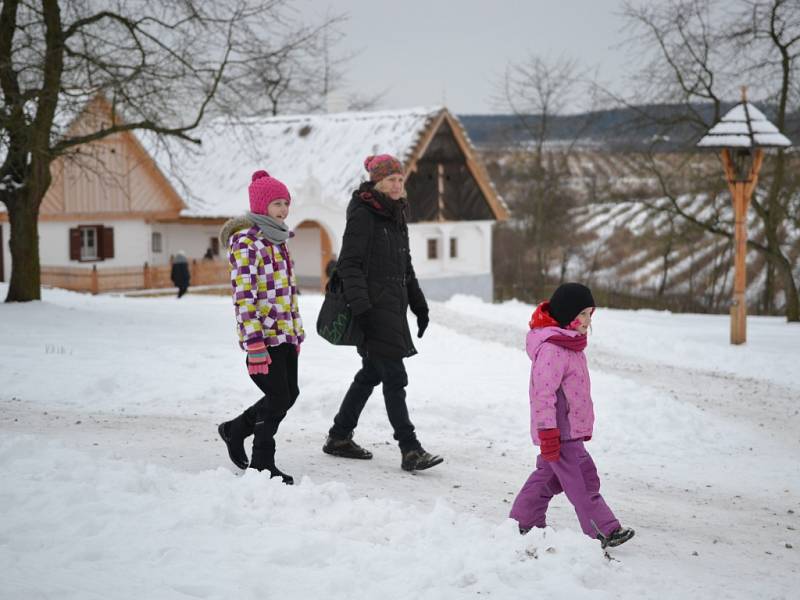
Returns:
<point x="263" y="190"/>
<point x="381" y="166"/>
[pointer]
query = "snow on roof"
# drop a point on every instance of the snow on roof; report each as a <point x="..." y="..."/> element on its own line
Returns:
<point x="307" y="152"/>
<point x="744" y="126"/>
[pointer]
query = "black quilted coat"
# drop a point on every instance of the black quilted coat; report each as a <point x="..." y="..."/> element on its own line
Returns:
<point x="375" y="268"/>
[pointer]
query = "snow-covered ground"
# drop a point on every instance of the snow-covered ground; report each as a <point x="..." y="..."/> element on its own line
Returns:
<point x="114" y="484"/>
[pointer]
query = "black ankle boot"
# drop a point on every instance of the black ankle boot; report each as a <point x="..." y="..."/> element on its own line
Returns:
<point x="346" y="448"/>
<point x="234" y="443"/>
<point x="418" y="460"/>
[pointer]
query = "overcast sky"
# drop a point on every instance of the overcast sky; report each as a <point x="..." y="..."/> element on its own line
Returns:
<point x="454" y="51"/>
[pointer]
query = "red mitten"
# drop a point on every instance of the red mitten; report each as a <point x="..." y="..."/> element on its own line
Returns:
<point x="258" y="359"/>
<point x="550" y="444"/>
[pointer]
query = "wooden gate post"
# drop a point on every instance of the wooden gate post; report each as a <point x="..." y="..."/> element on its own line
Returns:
<point x="95" y="284"/>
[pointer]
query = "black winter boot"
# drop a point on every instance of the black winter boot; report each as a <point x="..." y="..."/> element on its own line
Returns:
<point x="419" y="460"/>
<point x="264" y="460"/>
<point x="263" y="457"/>
<point x="619" y="536"/>
<point x="275" y="472"/>
<point x="346" y="448"/>
<point x="234" y="443"/>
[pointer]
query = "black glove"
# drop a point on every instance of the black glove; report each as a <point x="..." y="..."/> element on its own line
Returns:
<point x="422" y="323"/>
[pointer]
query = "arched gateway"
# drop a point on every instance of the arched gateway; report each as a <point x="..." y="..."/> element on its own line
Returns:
<point x="311" y="248"/>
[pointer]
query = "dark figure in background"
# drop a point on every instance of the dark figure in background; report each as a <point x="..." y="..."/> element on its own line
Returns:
<point x="380" y="286"/>
<point x="180" y="272"/>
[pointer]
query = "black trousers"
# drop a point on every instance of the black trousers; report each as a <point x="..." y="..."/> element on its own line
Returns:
<point x="375" y="370"/>
<point x="264" y="417"/>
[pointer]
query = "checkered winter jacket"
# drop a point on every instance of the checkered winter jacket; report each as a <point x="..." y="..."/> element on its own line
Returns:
<point x="264" y="287"/>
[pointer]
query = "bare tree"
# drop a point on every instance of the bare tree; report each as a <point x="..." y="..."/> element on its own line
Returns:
<point x="159" y="65"/>
<point x="535" y="178"/>
<point x="698" y="52"/>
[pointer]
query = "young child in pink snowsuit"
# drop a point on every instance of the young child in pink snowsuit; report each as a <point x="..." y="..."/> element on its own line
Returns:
<point x="562" y="417"/>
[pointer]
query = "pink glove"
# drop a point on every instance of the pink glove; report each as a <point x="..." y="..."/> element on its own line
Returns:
<point x="258" y="359"/>
<point x="298" y="349"/>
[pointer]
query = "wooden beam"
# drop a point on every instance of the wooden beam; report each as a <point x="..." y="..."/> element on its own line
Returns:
<point x="424" y="142"/>
<point x="111" y="216"/>
<point x="440" y="191"/>
<point x="755" y="169"/>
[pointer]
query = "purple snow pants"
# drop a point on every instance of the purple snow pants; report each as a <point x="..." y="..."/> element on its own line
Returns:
<point x="575" y="474"/>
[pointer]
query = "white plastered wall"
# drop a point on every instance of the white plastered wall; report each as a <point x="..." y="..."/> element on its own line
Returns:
<point x="193" y="239"/>
<point x="131" y="243"/>
<point x="474" y="248"/>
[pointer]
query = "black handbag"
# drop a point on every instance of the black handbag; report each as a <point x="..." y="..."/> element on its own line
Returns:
<point x="335" y="322"/>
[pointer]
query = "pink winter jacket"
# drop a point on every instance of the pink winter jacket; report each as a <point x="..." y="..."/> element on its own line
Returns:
<point x="560" y="391"/>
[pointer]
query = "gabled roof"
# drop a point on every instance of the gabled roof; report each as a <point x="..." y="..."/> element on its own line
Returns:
<point x="328" y="149"/>
<point x="744" y="126"/>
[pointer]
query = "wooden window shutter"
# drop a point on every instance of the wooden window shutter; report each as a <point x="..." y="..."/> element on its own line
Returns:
<point x="106" y="242"/>
<point x="74" y="244"/>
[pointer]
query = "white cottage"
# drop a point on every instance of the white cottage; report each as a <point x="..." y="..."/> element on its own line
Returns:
<point x="452" y="203"/>
<point x="113" y="218"/>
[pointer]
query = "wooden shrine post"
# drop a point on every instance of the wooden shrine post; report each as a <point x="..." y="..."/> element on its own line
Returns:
<point x="741" y="186"/>
<point x="741" y="135"/>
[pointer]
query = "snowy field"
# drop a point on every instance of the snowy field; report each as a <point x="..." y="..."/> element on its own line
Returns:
<point x="114" y="484"/>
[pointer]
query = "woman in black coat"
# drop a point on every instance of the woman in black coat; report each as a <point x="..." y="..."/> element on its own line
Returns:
<point x="380" y="285"/>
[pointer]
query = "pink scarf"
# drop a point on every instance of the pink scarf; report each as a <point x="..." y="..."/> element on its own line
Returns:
<point x="576" y="344"/>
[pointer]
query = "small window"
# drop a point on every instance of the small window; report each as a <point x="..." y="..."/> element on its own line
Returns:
<point x="453" y="247"/>
<point x="156" y="242"/>
<point x="433" y="249"/>
<point x="89" y="243"/>
<point x="215" y="246"/>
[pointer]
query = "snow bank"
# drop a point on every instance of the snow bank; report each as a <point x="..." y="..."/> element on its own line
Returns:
<point x="78" y="527"/>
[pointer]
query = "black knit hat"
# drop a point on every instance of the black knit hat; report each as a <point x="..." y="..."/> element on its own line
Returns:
<point x="568" y="301"/>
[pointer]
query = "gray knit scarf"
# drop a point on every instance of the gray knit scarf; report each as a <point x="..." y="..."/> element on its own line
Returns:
<point x="275" y="231"/>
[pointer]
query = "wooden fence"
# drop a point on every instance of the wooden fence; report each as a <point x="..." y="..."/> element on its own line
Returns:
<point x="94" y="280"/>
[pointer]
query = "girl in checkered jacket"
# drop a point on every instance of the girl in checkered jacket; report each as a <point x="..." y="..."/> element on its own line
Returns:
<point x="268" y="320"/>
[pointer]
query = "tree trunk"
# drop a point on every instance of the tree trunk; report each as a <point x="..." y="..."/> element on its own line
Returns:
<point x="790" y="290"/>
<point x="769" y="289"/>
<point x="772" y="226"/>
<point x="23" y="216"/>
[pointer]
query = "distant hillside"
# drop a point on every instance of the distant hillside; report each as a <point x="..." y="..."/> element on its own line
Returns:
<point x="623" y="128"/>
<point x="622" y="235"/>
